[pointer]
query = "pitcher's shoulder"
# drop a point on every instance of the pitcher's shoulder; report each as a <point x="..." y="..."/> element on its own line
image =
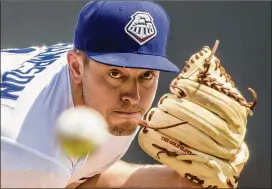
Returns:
<point x="12" y="58"/>
<point x="32" y="49"/>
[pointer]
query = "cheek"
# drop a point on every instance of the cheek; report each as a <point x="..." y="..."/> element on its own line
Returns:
<point x="98" y="95"/>
<point x="147" y="97"/>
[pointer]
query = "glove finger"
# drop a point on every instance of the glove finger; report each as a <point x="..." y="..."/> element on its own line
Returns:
<point x="215" y="101"/>
<point x="188" y="134"/>
<point x="200" y="118"/>
<point x="207" y="84"/>
<point x="204" y="172"/>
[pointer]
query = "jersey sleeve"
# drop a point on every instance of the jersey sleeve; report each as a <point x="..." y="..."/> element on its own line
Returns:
<point x="14" y="58"/>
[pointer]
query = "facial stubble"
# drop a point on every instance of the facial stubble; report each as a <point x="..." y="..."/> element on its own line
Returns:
<point x="125" y="128"/>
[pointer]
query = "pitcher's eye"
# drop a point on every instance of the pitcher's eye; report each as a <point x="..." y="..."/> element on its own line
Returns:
<point x="147" y="75"/>
<point x="116" y="74"/>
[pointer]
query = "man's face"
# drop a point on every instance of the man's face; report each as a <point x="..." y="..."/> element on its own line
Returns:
<point x="121" y="95"/>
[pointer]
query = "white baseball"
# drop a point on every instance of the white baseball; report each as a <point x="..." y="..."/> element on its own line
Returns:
<point x="80" y="131"/>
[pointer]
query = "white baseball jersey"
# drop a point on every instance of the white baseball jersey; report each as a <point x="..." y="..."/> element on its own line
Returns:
<point x="35" y="89"/>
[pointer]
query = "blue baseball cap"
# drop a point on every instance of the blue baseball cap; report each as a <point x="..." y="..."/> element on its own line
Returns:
<point x="132" y="34"/>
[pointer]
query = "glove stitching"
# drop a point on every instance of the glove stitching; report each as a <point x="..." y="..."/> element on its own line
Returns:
<point x="187" y="175"/>
<point x="219" y="99"/>
<point x="219" y="131"/>
<point x="145" y="125"/>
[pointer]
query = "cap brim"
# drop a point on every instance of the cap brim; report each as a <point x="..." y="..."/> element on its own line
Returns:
<point x="133" y="60"/>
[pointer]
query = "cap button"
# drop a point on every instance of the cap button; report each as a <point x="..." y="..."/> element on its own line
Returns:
<point x="121" y="8"/>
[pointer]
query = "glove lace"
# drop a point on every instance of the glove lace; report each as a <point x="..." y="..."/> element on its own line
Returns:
<point x="145" y="125"/>
<point x="204" y="78"/>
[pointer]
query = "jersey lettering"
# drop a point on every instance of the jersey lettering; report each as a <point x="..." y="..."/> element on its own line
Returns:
<point x="14" y="81"/>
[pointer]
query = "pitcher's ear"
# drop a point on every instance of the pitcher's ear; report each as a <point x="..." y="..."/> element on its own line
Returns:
<point x="76" y="65"/>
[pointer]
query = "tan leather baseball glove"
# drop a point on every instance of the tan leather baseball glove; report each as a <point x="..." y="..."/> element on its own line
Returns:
<point x="198" y="128"/>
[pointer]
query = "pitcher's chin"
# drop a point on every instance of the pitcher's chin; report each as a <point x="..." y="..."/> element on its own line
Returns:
<point x="124" y="128"/>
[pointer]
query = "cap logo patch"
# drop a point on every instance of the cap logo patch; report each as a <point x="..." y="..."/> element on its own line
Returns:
<point x="141" y="27"/>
